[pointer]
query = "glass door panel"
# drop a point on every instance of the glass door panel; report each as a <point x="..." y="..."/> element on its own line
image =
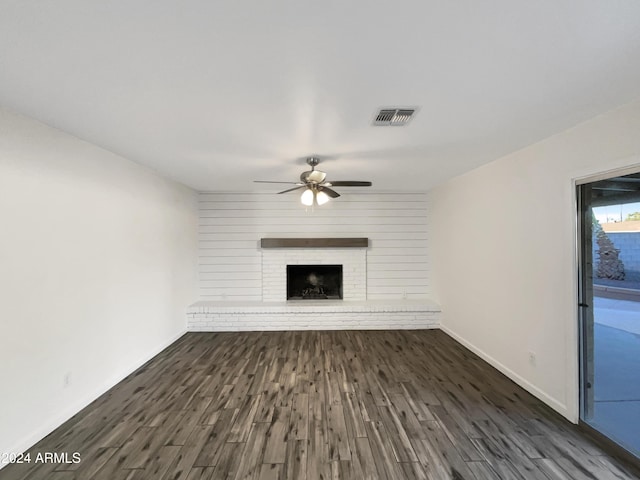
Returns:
<point x="609" y="214"/>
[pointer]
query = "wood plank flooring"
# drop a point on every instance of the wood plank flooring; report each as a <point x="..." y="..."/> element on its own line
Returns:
<point x="319" y="405"/>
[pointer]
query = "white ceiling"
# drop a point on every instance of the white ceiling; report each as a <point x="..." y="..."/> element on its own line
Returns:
<point x="218" y="93"/>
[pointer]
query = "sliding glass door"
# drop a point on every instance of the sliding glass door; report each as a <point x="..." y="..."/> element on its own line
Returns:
<point x="609" y="301"/>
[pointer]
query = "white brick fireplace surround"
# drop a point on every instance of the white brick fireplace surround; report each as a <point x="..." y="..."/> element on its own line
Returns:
<point x="275" y="261"/>
<point x="243" y="286"/>
<point x="275" y="313"/>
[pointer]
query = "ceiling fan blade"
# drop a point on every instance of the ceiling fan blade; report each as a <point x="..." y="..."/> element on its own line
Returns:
<point x="292" y="189"/>
<point x="269" y="181"/>
<point x="328" y="191"/>
<point x="349" y="183"/>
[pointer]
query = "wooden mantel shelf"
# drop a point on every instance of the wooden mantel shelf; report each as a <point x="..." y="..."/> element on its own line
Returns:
<point x="360" y="242"/>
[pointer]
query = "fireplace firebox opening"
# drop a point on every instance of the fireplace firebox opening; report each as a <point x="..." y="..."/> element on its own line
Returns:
<point x="314" y="282"/>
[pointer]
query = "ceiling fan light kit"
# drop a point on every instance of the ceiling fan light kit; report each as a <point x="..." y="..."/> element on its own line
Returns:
<point x="313" y="196"/>
<point x="317" y="191"/>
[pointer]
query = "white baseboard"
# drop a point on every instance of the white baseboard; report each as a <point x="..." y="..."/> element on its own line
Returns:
<point x="558" y="406"/>
<point x="45" y="429"/>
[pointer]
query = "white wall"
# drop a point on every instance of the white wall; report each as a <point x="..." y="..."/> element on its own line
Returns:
<point x="97" y="266"/>
<point x="231" y="226"/>
<point x="504" y="252"/>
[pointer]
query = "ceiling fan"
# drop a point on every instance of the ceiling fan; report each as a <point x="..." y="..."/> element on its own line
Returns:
<point x="316" y="190"/>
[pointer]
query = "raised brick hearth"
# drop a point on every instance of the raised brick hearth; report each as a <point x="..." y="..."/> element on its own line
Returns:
<point x="325" y="315"/>
<point x="354" y="312"/>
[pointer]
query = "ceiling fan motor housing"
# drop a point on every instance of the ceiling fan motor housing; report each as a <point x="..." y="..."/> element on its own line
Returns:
<point x="313" y="176"/>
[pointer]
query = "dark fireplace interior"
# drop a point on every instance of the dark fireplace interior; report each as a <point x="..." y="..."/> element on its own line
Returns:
<point x="314" y="282"/>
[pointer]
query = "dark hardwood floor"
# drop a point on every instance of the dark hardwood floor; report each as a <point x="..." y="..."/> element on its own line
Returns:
<point x="310" y="405"/>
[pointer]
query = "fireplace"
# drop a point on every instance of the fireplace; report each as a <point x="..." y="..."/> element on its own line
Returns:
<point x="314" y="282"/>
<point x="353" y="286"/>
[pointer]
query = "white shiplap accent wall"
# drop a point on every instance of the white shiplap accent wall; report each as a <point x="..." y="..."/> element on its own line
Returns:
<point x="231" y="225"/>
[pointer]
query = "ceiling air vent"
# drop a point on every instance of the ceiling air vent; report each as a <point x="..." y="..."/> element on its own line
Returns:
<point x="394" y="116"/>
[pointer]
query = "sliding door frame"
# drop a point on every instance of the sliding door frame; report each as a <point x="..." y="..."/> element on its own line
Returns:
<point x="585" y="301"/>
<point x="584" y="304"/>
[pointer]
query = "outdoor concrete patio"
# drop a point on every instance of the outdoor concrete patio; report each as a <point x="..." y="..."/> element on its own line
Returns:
<point x="617" y="370"/>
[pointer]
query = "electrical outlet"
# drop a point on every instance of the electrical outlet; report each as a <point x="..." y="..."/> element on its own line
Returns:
<point x="66" y="380"/>
<point x="532" y="358"/>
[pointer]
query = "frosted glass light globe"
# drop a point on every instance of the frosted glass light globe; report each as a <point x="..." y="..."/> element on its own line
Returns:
<point x="307" y="197"/>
